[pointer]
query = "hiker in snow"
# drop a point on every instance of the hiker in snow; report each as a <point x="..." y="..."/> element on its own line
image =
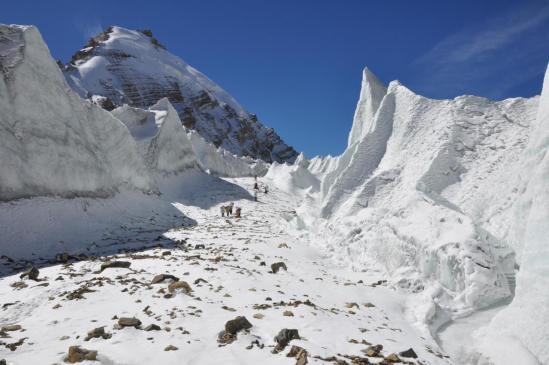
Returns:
<point x="238" y="211"/>
<point x="230" y="210"/>
<point x="222" y="210"/>
<point x="266" y="189"/>
<point x="256" y="186"/>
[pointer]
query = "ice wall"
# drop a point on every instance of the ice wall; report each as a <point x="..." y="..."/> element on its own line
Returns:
<point x="526" y="320"/>
<point x="170" y="147"/>
<point x="52" y="142"/>
<point x="421" y="193"/>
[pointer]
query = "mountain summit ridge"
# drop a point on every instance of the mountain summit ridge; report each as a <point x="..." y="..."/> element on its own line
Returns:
<point x="122" y="66"/>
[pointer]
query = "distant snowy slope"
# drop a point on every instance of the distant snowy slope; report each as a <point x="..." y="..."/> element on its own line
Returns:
<point x="121" y="66"/>
<point x="51" y="141"/>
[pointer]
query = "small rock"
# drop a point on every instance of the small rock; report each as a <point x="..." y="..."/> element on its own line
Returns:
<point x="288" y="314"/>
<point x="98" y="332"/>
<point x="284" y="337"/>
<point x="258" y="316"/>
<point x="78" y="354"/>
<point x="408" y="353"/>
<point x="32" y="274"/>
<point x="373" y="351"/>
<point x="3" y="362"/>
<point x="171" y="348"/>
<point x="115" y="264"/>
<point x="129" y="322"/>
<point x="180" y="285"/>
<point x="11" y="327"/>
<point x="225" y="338"/>
<point x="299" y="353"/>
<point x="152" y="327"/>
<point x="161" y="277"/>
<point x="392" y="358"/>
<point x="277" y="266"/>
<point x="19" y="285"/>
<point x="236" y="325"/>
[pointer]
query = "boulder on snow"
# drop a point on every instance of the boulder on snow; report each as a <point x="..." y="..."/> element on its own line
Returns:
<point x="161" y="277"/>
<point x="115" y="264"/>
<point x="31" y="273"/>
<point x="284" y="337"/>
<point x="180" y="285"/>
<point x="78" y="354"/>
<point x="98" y="332"/>
<point x="129" y="322"/>
<point x="236" y="325"/>
<point x="408" y="353"/>
<point x="277" y="266"/>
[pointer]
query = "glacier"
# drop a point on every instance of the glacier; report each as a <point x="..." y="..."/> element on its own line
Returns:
<point x="444" y="202"/>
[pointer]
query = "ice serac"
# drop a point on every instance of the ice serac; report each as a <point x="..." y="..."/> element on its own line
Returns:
<point x="371" y="95"/>
<point x="53" y="142"/>
<point x="170" y="150"/>
<point x="169" y="147"/>
<point x="121" y="66"/>
<point x="525" y="323"/>
<point x="423" y="193"/>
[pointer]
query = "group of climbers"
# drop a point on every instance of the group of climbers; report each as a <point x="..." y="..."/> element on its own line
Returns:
<point x="227" y="210"/>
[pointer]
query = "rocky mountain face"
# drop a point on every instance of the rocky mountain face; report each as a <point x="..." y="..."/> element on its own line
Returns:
<point x="121" y="66"/>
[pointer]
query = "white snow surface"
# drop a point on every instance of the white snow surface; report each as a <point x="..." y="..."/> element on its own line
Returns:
<point x="51" y="142"/>
<point x="334" y="309"/>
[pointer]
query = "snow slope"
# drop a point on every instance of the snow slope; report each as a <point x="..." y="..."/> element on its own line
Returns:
<point x="53" y="143"/>
<point x="337" y="313"/>
<point x="121" y="66"/>
<point x="179" y="146"/>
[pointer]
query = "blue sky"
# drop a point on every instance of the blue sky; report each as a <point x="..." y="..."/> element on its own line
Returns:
<point x="297" y="64"/>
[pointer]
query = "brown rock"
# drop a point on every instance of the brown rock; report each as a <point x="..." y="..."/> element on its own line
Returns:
<point x="277" y="266"/>
<point x="373" y="351"/>
<point x="236" y="325"/>
<point x="32" y="274"/>
<point x="98" y="332"/>
<point x="11" y="327"/>
<point x="288" y="313"/>
<point x="299" y="353"/>
<point x="180" y="285"/>
<point x="129" y="322"/>
<point x="171" y="348"/>
<point x="115" y="264"/>
<point x="78" y="354"/>
<point x="392" y="358"/>
<point x="161" y="277"/>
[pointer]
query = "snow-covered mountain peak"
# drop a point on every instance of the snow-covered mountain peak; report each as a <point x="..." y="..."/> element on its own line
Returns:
<point x="121" y="66"/>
